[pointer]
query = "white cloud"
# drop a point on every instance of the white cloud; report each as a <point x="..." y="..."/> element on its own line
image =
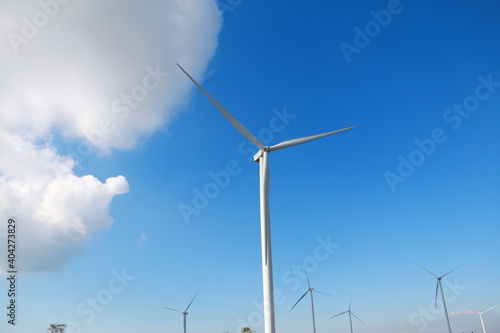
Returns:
<point x="141" y="240"/>
<point x="70" y="75"/>
<point x="100" y="72"/>
<point x="55" y="210"/>
<point x="456" y="314"/>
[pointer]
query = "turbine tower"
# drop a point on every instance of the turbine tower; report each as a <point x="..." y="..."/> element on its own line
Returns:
<point x="265" y="229"/>
<point x="310" y="290"/>
<point x="481" y="315"/>
<point x="350" y="313"/>
<point x="440" y="286"/>
<point x="184" y="313"/>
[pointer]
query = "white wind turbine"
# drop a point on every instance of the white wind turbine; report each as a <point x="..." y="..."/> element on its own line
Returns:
<point x="481" y="315"/>
<point x="184" y="313"/>
<point x="265" y="229"/>
<point x="350" y="313"/>
<point x="310" y="290"/>
<point x="440" y="286"/>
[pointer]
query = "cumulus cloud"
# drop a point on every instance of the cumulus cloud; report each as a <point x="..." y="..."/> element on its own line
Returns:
<point x="100" y="75"/>
<point x="88" y="62"/>
<point x="55" y="210"/>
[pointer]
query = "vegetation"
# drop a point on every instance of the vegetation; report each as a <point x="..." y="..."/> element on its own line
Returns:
<point x="56" y="328"/>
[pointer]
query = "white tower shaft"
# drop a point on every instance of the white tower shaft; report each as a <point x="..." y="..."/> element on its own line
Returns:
<point x="265" y="235"/>
<point x="444" y="304"/>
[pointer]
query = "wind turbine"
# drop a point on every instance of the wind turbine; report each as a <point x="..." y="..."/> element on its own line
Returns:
<point x="481" y="315"/>
<point x="440" y="286"/>
<point x="265" y="229"/>
<point x="310" y="290"/>
<point x="350" y="313"/>
<point x="185" y="313"/>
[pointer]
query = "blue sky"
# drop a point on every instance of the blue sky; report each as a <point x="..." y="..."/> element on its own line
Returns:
<point x="416" y="182"/>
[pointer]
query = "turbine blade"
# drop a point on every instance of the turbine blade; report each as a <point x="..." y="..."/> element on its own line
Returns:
<point x="192" y="301"/>
<point x="350" y="301"/>
<point x="357" y="318"/>
<point x="226" y="114"/>
<point x="489" y="309"/>
<point x="298" y="141"/>
<point x="307" y="277"/>
<point x="339" y="314"/>
<point x="470" y="307"/>
<point x="299" y="299"/>
<point x="321" y="292"/>
<point x="442" y="276"/>
<point x="436" y="299"/>
<point x="173" y="309"/>
<point x="427" y="270"/>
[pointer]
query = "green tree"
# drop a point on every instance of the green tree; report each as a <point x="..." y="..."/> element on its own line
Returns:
<point x="247" y="330"/>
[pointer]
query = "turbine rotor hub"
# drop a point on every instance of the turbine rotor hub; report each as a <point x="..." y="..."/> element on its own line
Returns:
<point x="257" y="156"/>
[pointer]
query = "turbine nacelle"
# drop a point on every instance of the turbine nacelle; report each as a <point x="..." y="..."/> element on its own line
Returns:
<point x="258" y="155"/>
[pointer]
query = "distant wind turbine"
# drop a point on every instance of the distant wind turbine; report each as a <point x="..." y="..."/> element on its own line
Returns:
<point x="350" y="313"/>
<point x="440" y="286"/>
<point x="310" y="290"/>
<point x="185" y="313"/>
<point x="265" y="228"/>
<point x="481" y="315"/>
